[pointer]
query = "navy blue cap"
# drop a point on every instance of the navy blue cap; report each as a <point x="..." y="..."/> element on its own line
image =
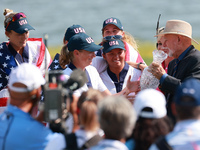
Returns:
<point x="113" y="21"/>
<point x="189" y="88"/>
<point x="82" y="42"/>
<point x="111" y="44"/>
<point x="72" y="30"/>
<point x="20" y="26"/>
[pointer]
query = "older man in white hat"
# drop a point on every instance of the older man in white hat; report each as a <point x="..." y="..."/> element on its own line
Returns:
<point x="18" y="129"/>
<point x="178" y="39"/>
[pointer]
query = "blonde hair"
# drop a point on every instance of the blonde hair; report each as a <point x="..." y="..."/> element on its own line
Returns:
<point x="65" y="56"/>
<point x="88" y="116"/>
<point x="91" y="95"/>
<point x="8" y="13"/>
<point x="130" y="40"/>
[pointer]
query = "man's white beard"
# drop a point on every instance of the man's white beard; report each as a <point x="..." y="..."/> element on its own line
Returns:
<point x="170" y="54"/>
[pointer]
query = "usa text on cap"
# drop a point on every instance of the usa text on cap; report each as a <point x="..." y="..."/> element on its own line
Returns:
<point x="19" y="24"/>
<point x="82" y="42"/>
<point x="113" y="21"/>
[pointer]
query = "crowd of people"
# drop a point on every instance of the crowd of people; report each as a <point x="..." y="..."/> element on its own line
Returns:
<point x="109" y="110"/>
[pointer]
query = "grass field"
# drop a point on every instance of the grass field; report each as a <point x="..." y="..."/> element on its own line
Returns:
<point x="145" y="50"/>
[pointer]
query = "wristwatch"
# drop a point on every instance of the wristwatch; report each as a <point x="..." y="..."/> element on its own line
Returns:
<point x="138" y="65"/>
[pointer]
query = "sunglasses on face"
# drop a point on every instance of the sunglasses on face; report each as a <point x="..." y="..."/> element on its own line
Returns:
<point x="158" y="44"/>
<point x="16" y="17"/>
<point x="119" y="37"/>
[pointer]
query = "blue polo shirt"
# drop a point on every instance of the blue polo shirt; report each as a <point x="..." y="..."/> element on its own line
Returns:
<point x="19" y="131"/>
<point x="122" y="75"/>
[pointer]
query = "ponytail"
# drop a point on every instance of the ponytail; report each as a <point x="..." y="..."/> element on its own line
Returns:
<point x="65" y="56"/>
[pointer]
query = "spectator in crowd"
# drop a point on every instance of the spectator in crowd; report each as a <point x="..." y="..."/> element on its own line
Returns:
<point x="186" y="106"/>
<point x="19" y="49"/>
<point x="92" y="95"/>
<point x="19" y="130"/>
<point x="178" y="40"/>
<point x="117" y="119"/>
<point x="152" y="122"/>
<point x="89" y="133"/>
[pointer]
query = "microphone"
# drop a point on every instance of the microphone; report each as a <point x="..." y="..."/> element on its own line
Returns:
<point x="76" y="80"/>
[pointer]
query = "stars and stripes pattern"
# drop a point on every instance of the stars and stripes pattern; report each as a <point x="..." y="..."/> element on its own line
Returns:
<point x="54" y="66"/>
<point x="55" y="63"/>
<point x="7" y="64"/>
<point x="37" y="57"/>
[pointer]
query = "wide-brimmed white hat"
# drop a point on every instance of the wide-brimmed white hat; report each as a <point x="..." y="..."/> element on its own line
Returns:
<point x="27" y="74"/>
<point x="178" y="27"/>
<point x="150" y="98"/>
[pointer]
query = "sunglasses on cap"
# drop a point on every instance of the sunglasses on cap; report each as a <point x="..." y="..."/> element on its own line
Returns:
<point x="119" y="37"/>
<point x="16" y="17"/>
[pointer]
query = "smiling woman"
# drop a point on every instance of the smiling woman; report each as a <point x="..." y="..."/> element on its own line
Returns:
<point x="115" y="77"/>
<point x="79" y="54"/>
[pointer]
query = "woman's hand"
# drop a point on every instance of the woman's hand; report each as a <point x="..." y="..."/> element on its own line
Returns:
<point x="133" y="86"/>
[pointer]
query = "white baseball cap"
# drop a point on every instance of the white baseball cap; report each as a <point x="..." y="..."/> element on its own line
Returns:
<point x="153" y="99"/>
<point x="27" y="74"/>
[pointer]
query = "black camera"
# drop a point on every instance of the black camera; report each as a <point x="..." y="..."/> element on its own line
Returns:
<point x="58" y="92"/>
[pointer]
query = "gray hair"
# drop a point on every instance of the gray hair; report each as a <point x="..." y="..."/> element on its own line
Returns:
<point x="116" y="117"/>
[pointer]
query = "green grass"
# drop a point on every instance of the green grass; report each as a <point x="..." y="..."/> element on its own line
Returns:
<point x="53" y="50"/>
<point x="145" y="49"/>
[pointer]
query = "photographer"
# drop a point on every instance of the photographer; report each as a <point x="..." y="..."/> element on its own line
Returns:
<point x="18" y="129"/>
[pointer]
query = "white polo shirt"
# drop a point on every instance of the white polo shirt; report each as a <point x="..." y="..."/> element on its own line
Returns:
<point x="111" y="82"/>
<point x="94" y="80"/>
